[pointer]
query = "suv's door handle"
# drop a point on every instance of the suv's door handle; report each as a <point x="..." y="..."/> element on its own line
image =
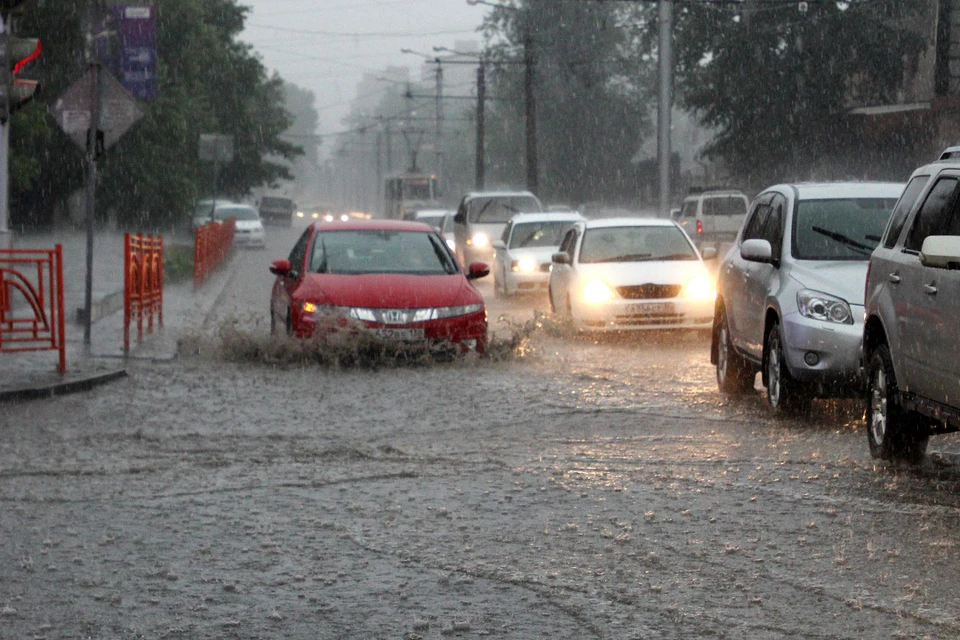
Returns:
<point x="930" y="289"/>
<point x="894" y="278"/>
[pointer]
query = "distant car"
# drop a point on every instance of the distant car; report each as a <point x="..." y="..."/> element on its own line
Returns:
<point x="249" y="231"/>
<point x="481" y="217"/>
<point x="277" y="210"/>
<point x="790" y="291"/>
<point x="631" y="273"/>
<point x="911" y="350"/>
<point x="713" y="216"/>
<point x="439" y="219"/>
<point x="398" y="279"/>
<point x="203" y="211"/>
<point x="524" y="253"/>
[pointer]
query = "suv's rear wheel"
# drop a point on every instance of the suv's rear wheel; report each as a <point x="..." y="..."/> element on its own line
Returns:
<point x="893" y="434"/>
<point x="734" y="374"/>
<point x="784" y="393"/>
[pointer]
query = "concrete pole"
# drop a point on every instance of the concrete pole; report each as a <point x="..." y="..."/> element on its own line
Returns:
<point x="664" y="151"/>
<point x="6" y="234"/>
<point x="439" y="135"/>
<point x="529" y="61"/>
<point x="481" y="126"/>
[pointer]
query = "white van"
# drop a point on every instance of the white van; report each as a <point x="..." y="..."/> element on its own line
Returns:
<point x="481" y="219"/>
<point x="713" y="216"/>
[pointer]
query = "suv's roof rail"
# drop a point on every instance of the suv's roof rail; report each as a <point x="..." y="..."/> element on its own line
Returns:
<point x="950" y="153"/>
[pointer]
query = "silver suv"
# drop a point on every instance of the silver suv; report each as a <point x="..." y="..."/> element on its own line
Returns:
<point x="790" y="291"/>
<point x="911" y="334"/>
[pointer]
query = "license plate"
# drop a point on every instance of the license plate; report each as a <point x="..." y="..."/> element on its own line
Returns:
<point x="401" y="335"/>
<point x="653" y="309"/>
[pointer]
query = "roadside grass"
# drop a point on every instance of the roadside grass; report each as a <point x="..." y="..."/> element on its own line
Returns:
<point x="177" y="262"/>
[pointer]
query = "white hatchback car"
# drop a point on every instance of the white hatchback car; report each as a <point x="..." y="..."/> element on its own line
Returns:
<point x="525" y="251"/>
<point x="631" y="273"/>
<point x="248" y="229"/>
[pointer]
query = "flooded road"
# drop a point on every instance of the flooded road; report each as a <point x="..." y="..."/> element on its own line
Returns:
<point x="576" y="487"/>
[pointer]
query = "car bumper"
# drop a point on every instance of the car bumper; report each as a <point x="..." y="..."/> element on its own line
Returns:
<point x="824" y="354"/>
<point x="630" y="315"/>
<point x="241" y="239"/>
<point x="468" y="333"/>
<point x="518" y="282"/>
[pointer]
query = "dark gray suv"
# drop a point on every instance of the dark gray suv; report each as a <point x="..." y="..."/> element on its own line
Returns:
<point x="911" y="340"/>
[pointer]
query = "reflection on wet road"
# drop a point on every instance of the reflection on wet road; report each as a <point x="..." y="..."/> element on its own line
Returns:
<point x="594" y="487"/>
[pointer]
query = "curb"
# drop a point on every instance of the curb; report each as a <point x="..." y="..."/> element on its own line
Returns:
<point x="61" y="388"/>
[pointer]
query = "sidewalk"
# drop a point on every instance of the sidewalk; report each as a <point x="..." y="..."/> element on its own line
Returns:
<point x="34" y="374"/>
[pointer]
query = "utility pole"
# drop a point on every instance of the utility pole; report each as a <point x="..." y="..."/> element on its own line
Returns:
<point x="6" y="234"/>
<point x="94" y="8"/>
<point x="531" y="112"/>
<point x="666" y="102"/>
<point x="439" y="135"/>
<point x="481" y="126"/>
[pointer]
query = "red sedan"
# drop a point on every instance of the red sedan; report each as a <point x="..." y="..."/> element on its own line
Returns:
<point x="398" y="279"/>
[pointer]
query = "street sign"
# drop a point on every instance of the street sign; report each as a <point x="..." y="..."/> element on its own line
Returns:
<point x="216" y="147"/>
<point x="118" y="109"/>
<point x="129" y="48"/>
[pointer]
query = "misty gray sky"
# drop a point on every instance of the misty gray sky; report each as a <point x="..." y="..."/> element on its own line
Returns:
<point x="326" y="46"/>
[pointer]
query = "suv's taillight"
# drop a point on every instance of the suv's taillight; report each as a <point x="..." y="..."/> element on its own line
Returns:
<point x="699" y="226"/>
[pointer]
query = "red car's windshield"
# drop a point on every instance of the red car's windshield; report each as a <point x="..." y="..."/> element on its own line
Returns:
<point x="381" y="251"/>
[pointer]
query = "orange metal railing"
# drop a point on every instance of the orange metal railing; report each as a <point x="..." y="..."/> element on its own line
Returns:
<point x="212" y="244"/>
<point x="142" y="283"/>
<point x="35" y="278"/>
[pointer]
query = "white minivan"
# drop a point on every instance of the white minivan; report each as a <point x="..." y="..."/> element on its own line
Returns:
<point x="713" y="216"/>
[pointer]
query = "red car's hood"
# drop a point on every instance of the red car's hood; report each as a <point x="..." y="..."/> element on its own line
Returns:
<point x="388" y="290"/>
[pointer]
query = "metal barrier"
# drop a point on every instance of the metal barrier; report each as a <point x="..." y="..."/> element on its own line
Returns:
<point x="142" y="283"/>
<point x="38" y="325"/>
<point x="212" y="244"/>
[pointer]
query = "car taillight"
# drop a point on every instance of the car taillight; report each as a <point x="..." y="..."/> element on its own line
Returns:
<point x="699" y="226"/>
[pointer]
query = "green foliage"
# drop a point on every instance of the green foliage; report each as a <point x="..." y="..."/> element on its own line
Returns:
<point x="208" y="83"/>
<point x="593" y="86"/>
<point x="778" y="86"/>
<point x="177" y="262"/>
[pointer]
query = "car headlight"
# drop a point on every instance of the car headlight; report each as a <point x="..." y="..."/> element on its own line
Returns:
<point x="699" y="288"/>
<point x="525" y="265"/>
<point x="316" y="215"/>
<point x="824" y="307"/>
<point x="452" y="244"/>
<point x="312" y="311"/>
<point x="299" y="214"/>
<point x="359" y="313"/>
<point x="597" y="291"/>
<point x="480" y="240"/>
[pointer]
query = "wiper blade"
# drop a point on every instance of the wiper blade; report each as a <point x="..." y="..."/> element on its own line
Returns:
<point x="633" y="257"/>
<point x="842" y="239"/>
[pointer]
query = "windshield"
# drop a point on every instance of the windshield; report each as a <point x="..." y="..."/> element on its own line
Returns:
<point x="381" y="251"/>
<point x="499" y="209"/>
<point x="843" y="229"/>
<point x="240" y="213"/>
<point x="635" y="244"/>
<point x="538" y="234"/>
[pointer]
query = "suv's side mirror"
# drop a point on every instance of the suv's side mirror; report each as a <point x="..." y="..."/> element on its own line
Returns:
<point x="499" y="245"/>
<point x="757" y="250"/>
<point x="941" y="252"/>
<point x="560" y="257"/>
<point x="280" y="267"/>
<point x="461" y="217"/>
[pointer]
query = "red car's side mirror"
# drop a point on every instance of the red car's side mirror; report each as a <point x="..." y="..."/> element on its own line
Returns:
<point x="280" y="267"/>
<point x="477" y="270"/>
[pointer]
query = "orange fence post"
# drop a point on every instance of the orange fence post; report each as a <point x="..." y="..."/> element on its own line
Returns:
<point x="142" y="283"/>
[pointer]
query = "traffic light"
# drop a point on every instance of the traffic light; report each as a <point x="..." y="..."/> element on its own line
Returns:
<point x="15" y="53"/>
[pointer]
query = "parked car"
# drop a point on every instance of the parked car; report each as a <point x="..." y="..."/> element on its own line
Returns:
<point x="911" y="333"/>
<point x="203" y="211"/>
<point x="481" y="217"/>
<point x="398" y="279"/>
<point x="249" y="231"/>
<point x="713" y="216"/>
<point x="630" y="273"/>
<point x="790" y="291"/>
<point x="525" y="251"/>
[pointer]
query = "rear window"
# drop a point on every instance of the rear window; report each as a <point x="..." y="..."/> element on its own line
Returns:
<point x="240" y="213"/>
<point x="276" y="203"/>
<point x="725" y="206"/>
<point x="842" y="229"/>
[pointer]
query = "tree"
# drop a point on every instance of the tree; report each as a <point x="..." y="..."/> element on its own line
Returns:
<point x="777" y="83"/>
<point x="208" y="83"/>
<point x="593" y="89"/>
